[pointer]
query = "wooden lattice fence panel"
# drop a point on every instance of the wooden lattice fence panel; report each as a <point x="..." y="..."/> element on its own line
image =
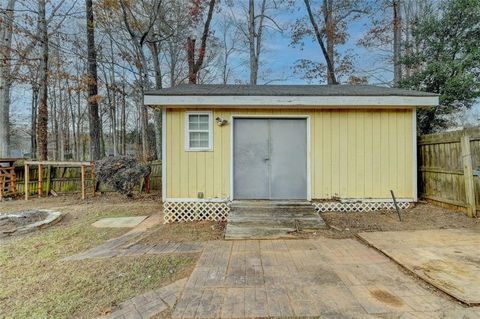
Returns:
<point x="360" y="206"/>
<point x="193" y="211"/>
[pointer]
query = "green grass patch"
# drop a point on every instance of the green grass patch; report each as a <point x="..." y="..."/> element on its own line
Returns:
<point x="37" y="283"/>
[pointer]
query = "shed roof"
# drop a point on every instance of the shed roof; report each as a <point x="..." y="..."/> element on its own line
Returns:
<point x="285" y="90"/>
<point x="217" y="95"/>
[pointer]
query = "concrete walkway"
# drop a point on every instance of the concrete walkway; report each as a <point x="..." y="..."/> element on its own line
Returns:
<point x="326" y="278"/>
<point x="306" y="278"/>
<point x="126" y="246"/>
<point x="149" y="304"/>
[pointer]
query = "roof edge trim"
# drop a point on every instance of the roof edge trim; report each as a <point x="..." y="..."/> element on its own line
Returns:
<point x="311" y="101"/>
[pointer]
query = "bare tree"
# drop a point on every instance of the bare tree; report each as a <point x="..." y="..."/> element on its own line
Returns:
<point x="229" y="47"/>
<point x="194" y="65"/>
<point x="157" y="115"/>
<point x="42" y="117"/>
<point x="139" y="36"/>
<point x="328" y="25"/>
<point x="395" y="28"/>
<point x="331" y="79"/>
<point x="93" y="118"/>
<point x="255" y="34"/>
<point x="173" y="48"/>
<point x="6" y="30"/>
<point x="397" y="43"/>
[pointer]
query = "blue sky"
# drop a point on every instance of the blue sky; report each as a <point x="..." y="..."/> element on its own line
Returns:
<point x="278" y="58"/>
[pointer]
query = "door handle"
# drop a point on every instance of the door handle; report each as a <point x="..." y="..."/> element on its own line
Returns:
<point x="266" y="159"/>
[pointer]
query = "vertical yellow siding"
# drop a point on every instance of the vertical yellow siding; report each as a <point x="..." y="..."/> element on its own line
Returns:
<point x="355" y="153"/>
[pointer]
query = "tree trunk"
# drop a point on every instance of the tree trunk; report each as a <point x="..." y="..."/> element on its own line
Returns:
<point x="113" y="106"/>
<point x="42" y="118"/>
<point x="251" y="42"/>
<point x="318" y="35"/>
<point x="259" y="38"/>
<point x="81" y="146"/>
<point x="102" y="139"/>
<point x="195" y="66"/>
<point x="53" y="121"/>
<point x="330" y="35"/>
<point x="66" y="129"/>
<point x="75" y="154"/>
<point x="33" y="137"/>
<point x="5" y="85"/>
<point x="143" y="108"/>
<point x="109" y="87"/>
<point x="157" y="115"/>
<point x="6" y="29"/>
<point x="192" y="73"/>
<point x="123" y="120"/>
<point x="397" y="43"/>
<point x="94" y="121"/>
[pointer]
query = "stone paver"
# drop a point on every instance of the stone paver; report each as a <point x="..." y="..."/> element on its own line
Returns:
<point x="122" y="246"/>
<point x="446" y="258"/>
<point x="149" y="304"/>
<point x="119" y="222"/>
<point x="324" y="278"/>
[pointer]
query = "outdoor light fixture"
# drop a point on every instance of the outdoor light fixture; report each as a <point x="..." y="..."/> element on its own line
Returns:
<point x="221" y="121"/>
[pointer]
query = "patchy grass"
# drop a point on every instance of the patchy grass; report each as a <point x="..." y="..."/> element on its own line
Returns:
<point x="38" y="283"/>
<point x="191" y="231"/>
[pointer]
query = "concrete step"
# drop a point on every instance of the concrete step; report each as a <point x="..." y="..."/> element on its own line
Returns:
<point x="273" y="213"/>
<point x="234" y="232"/>
<point x="261" y="220"/>
<point x="269" y="203"/>
<point x="302" y="225"/>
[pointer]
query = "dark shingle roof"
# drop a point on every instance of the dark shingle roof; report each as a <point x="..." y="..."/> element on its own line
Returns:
<point x="284" y="90"/>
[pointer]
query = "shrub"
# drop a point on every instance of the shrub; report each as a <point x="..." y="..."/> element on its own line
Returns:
<point x="122" y="173"/>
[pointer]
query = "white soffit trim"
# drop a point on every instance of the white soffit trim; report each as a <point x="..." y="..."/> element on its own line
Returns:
<point x="286" y="101"/>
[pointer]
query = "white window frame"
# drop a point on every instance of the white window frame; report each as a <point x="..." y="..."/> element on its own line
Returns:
<point x="187" y="132"/>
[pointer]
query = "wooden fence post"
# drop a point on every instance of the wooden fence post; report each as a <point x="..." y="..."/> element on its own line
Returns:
<point x="468" y="176"/>
<point x="13" y="184"/>
<point x="94" y="183"/>
<point x="25" y="179"/>
<point x="83" y="181"/>
<point x="2" y="184"/>
<point x="49" y="179"/>
<point x="40" y="180"/>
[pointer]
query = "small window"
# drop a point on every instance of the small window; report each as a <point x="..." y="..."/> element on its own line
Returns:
<point x="199" y="131"/>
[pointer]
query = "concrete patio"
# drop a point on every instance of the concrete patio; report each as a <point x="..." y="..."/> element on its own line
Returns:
<point x="446" y="258"/>
<point x="306" y="278"/>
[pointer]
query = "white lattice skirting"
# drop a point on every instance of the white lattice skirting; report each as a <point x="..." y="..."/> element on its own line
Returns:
<point x="192" y="211"/>
<point x="358" y="206"/>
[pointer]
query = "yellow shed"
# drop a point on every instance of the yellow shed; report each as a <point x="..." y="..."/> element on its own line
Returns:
<point x="341" y="147"/>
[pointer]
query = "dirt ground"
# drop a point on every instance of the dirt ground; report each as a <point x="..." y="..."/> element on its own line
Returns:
<point x="184" y="232"/>
<point x="422" y="216"/>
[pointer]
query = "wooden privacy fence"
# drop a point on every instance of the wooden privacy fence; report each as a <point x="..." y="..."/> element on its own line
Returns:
<point x="449" y="169"/>
<point x="64" y="180"/>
